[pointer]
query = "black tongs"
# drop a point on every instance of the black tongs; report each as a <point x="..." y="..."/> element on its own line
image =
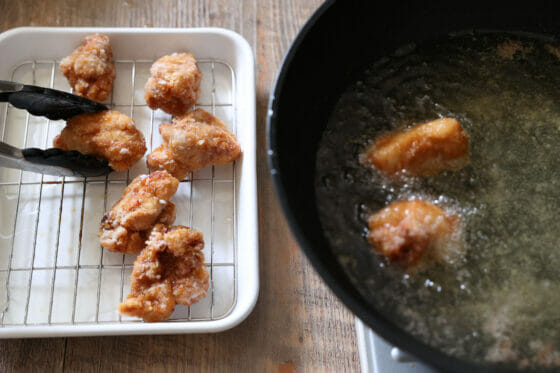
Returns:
<point x="54" y="105"/>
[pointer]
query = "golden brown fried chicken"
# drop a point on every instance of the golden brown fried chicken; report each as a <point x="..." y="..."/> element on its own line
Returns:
<point x="193" y="141"/>
<point x="163" y="159"/>
<point x="115" y="237"/>
<point x="411" y="232"/>
<point x="169" y="270"/>
<point x="90" y="69"/>
<point x="108" y="135"/>
<point x="174" y="85"/>
<point x="424" y="149"/>
<point x="144" y="203"/>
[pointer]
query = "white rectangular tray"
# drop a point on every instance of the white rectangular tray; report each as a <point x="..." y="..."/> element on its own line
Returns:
<point x="55" y="278"/>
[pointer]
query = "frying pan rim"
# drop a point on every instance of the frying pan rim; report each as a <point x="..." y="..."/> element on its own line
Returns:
<point x="381" y="325"/>
<point x="387" y="329"/>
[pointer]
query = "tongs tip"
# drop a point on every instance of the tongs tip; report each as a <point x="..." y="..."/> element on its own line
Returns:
<point x="47" y="102"/>
<point x="80" y="164"/>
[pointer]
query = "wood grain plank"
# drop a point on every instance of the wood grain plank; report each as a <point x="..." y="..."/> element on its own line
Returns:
<point x="27" y="355"/>
<point x="297" y="325"/>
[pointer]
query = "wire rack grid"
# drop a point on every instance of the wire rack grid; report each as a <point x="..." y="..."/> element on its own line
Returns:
<point x="52" y="269"/>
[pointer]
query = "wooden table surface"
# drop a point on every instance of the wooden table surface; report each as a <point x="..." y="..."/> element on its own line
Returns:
<point x="297" y="324"/>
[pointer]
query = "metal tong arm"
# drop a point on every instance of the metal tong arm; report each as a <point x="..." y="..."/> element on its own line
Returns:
<point x="52" y="161"/>
<point x="47" y="102"/>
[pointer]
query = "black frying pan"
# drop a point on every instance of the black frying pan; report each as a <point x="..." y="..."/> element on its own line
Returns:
<point x="333" y="48"/>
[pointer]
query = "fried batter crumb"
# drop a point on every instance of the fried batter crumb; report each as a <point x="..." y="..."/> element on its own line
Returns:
<point x="108" y="135"/>
<point x="169" y="271"/>
<point x="193" y="141"/>
<point x="144" y="203"/>
<point x="90" y="69"/>
<point x="174" y="84"/>
<point x="554" y="50"/>
<point x="425" y="149"/>
<point x="411" y="233"/>
<point x="511" y="48"/>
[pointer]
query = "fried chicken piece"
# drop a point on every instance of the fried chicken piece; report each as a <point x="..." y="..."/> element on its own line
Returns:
<point x="163" y="159"/>
<point x="174" y="84"/>
<point x="115" y="237"/>
<point x="412" y="232"/>
<point x="108" y="135"/>
<point x="168" y="214"/>
<point x="144" y="203"/>
<point x="193" y="141"/>
<point x="90" y="69"/>
<point x="425" y="149"/>
<point x="168" y="271"/>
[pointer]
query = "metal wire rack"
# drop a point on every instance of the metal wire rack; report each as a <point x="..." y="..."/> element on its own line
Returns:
<point x="52" y="269"/>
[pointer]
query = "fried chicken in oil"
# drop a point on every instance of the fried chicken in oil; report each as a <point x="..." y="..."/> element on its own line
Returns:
<point x="169" y="271"/>
<point x="425" y="149"/>
<point x="145" y="202"/>
<point x="90" y="69"/>
<point x="174" y="84"/>
<point x="415" y="232"/>
<point x="108" y="135"/>
<point x="193" y="141"/>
